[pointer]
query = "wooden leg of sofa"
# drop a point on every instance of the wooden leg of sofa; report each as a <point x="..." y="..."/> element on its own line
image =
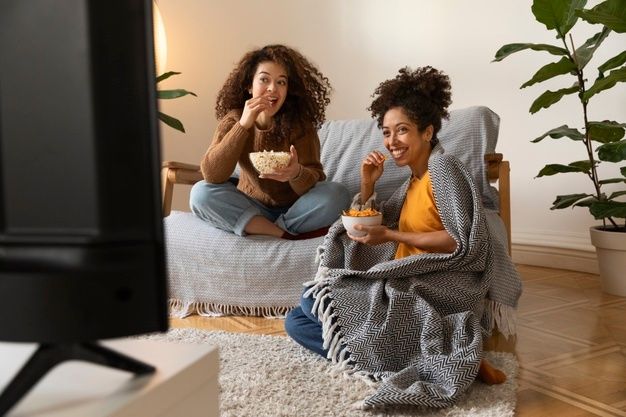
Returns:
<point x="167" y="191"/>
<point x="504" y="187"/>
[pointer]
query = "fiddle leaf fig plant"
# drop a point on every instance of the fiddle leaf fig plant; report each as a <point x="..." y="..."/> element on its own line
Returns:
<point x="168" y="95"/>
<point x="603" y="140"/>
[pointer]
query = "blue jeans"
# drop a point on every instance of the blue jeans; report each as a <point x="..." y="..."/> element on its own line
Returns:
<point x="303" y="327"/>
<point x="227" y="208"/>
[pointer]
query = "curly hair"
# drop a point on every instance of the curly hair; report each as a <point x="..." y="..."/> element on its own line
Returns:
<point x="423" y="93"/>
<point x="307" y="92"/>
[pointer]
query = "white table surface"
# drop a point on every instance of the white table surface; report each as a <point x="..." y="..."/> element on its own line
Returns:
<point x="185" y="382"/>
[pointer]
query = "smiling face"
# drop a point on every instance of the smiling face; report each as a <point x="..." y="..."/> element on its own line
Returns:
<point x="405" y="142"/>
<point x="270" y="79"/>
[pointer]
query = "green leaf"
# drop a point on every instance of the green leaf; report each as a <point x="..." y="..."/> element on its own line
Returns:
<point x="614" y="62"/>
<point x="550" y="97"/>
<point x="617" y="194"/>
<point x="601" y="84"/>
<point x="585" y="52"/>
<point x="584" y="165"/>
<point x="612" y="152"/>
<point x="586" y="202"/>
<point x="512" y="48"/>
<point x="551" y="70"/>
<point x="606" y="132"/>
<point x="604" y="209"/>
<point x="166" y="75"/>
<point x="559" y="132"/>
<point x="557" y="14"/>
<point x="563" y="201"/>
<point x="610" y="13"/>
<point x="553" y="169"/>
<point x="170" y="94"/>
<point x="612" y="181"/>
<point x="171" y="122"/>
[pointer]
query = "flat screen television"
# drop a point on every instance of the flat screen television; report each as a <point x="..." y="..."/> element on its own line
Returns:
<point x="81" y="239"/>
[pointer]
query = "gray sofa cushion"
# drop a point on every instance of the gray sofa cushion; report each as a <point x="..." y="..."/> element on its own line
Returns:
<point x="212" y="272"/>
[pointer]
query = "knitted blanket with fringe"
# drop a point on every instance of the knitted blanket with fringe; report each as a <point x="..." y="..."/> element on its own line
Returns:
<point x="414" y="326"/>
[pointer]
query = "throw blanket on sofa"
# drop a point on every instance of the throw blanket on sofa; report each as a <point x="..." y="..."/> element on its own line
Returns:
<point x="414" y="324"/>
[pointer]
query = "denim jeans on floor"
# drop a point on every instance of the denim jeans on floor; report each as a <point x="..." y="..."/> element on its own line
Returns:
<point x="303" y="327"/>
<point x="227" y="208"/>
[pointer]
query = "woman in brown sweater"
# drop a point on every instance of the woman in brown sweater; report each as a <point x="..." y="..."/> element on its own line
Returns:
<point x="274" y="99"/>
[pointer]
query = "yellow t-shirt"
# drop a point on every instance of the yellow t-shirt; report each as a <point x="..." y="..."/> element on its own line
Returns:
<point x="419" y="213"/>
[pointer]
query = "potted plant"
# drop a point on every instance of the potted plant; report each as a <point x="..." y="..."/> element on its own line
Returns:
<point x="171" y="94"/>
<point x="603" y="140"/>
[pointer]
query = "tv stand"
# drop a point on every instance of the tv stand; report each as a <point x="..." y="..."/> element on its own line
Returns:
<point x="47" y="356"/>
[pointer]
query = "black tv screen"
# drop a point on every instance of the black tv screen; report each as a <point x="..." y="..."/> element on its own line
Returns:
<point x="81" y="239"/>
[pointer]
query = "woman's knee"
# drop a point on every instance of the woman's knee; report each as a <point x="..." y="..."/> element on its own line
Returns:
<point x="332" y="196"/>
<point x="199" y="194"/>
<point x="221" y="205"/>
<point x="203" y="194"/>
<point x="336" y="190"/>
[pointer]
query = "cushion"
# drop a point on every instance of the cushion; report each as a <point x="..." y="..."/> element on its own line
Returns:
<point x="212" y="272"/>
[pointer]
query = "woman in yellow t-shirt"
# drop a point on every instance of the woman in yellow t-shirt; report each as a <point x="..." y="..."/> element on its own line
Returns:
<point x="409" y="109"/>
<point x="409" y="124"/>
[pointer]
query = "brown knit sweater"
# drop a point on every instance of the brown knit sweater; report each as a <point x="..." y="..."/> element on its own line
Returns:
<point x="232" y="143"/>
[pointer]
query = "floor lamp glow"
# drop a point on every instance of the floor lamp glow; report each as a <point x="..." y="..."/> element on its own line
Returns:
<point x="160" y="54"/>
<point x="160" y="40"/>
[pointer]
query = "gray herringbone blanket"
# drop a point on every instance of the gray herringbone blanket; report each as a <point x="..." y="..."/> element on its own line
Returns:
<point x="415" y="325"/>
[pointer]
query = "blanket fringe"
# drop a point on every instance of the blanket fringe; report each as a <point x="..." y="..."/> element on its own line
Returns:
<point x="332" y="336"/>
<point x="181" y="309"/>
<point x="323" y="308"/>
<point x="318" y="254"/>
<point x="318" y="283"/>
<point x="321" y="274"/>
<point x="335" y="346"/>
<point x="501" y="317"/>
<point x="370" y="379"/>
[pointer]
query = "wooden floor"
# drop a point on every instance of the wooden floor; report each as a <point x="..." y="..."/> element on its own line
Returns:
<point x="571" y="344"/>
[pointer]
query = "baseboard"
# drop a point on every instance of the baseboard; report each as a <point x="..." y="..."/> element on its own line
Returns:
<point x="555" y="249"/>
<point x="554" y="257"/>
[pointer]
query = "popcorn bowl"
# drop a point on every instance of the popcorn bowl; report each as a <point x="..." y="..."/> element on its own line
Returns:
<point x="266" y="162"/>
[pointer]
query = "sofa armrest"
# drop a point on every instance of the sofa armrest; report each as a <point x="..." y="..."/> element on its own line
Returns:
<point x="173" y="172"/>
<point x="499" y="170"/>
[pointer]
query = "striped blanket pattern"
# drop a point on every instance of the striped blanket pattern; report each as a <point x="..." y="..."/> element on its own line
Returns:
<point x="414" y="326"/>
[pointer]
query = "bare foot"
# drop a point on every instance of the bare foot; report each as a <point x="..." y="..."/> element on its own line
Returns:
<point x="490" y="375"/>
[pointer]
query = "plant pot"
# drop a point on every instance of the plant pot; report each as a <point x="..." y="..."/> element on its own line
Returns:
<point x="611" y="251"/>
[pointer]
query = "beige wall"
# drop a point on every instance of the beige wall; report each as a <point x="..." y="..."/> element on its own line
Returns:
<point x="358" y="43"/>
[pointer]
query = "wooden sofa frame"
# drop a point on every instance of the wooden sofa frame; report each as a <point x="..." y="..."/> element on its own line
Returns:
<point x="498" y="170"/>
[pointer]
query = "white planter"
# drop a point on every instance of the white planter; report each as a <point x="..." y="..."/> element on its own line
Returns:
<point x="611" y="251"/>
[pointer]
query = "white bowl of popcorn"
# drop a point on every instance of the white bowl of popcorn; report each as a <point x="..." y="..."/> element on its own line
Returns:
<point x="266" y="162"/>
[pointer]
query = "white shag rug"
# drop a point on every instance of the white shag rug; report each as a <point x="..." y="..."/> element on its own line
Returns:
<point x="272" y="376"/>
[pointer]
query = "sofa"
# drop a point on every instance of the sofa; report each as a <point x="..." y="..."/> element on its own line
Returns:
<point x="212" y="272"/>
